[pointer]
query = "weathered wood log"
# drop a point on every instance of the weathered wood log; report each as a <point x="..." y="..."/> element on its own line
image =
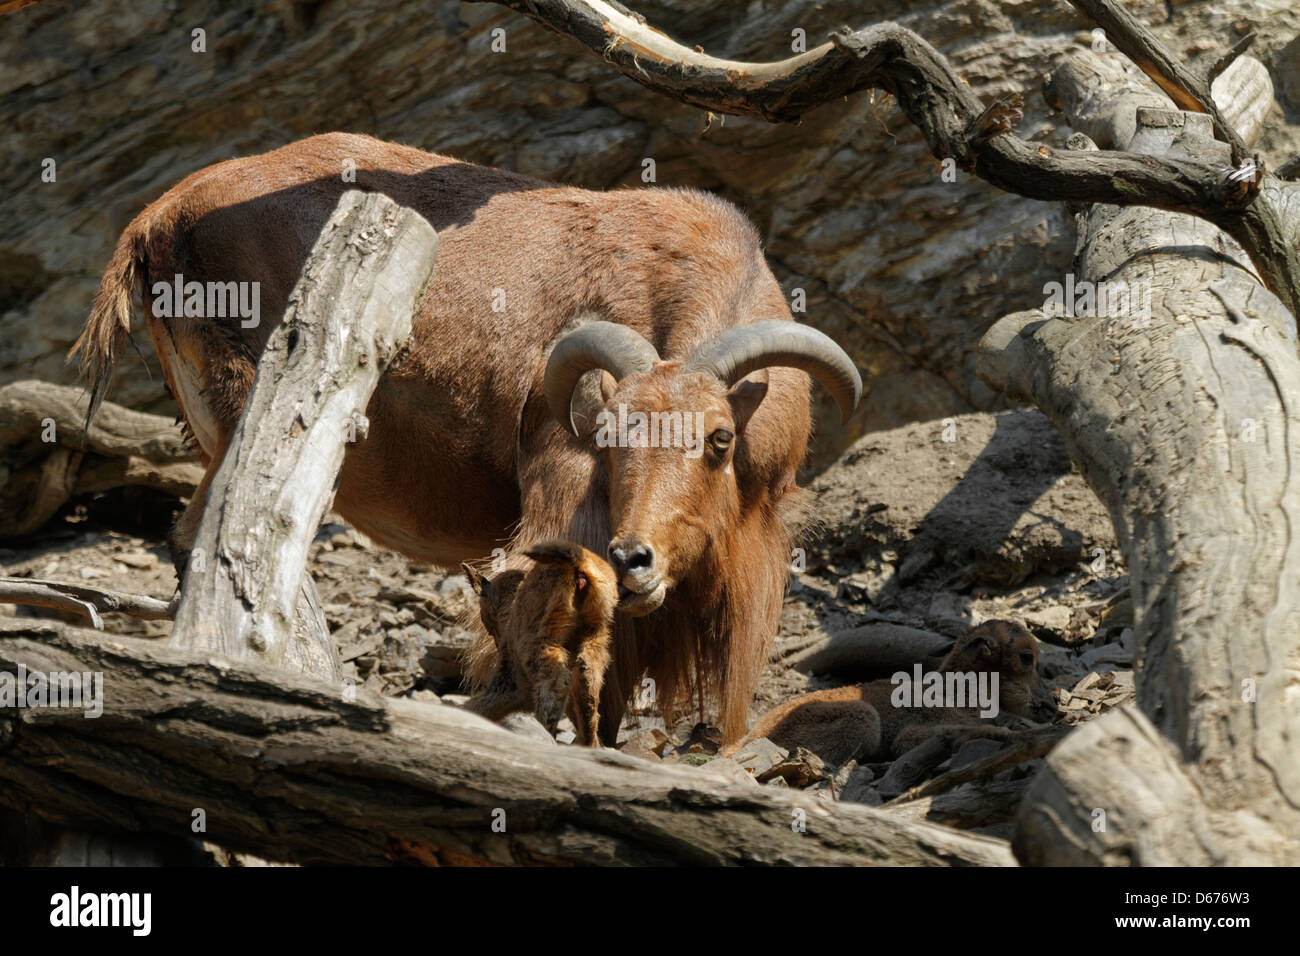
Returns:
<point x="1188" y="90"/>
<point x="1185" y="423"/>
<point x="1102" y="94"/>
<point x="347" y="317"/>
<point x="49" y="457"/>
<point x="287" y="768"/>
<point x="953" y="121"/>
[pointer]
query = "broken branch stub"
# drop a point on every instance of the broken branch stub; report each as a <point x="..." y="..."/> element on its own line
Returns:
<point x="348" y="316"/>
<point x="1181" y="413"/>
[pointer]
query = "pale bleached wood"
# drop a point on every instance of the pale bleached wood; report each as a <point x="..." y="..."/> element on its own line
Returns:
<point x="85" y="600"/>
<point x="248" y="596"/>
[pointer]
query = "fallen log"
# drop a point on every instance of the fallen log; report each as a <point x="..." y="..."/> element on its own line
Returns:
<point x="286" y="767"/>
<point x="48" y="456"/>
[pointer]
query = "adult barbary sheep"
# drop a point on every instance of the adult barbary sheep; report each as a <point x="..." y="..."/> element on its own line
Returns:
<point x="485" y="431"/>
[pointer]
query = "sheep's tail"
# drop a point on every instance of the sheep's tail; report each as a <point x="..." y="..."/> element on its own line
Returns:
<point x="109" y="327"/>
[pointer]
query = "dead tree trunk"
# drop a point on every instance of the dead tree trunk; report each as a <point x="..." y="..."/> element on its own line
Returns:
<point x="347" y="317"/>
<point x="1187" y="425"/>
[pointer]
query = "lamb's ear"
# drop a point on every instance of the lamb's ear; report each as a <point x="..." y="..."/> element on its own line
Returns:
<point x="982" y="644"/>
<point x="475" y="579"/>
<point x="745" y="397"/>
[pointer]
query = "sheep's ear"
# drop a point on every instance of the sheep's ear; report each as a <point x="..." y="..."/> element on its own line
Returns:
<point x="745" y="397"/>
<point x="595" y="388"/>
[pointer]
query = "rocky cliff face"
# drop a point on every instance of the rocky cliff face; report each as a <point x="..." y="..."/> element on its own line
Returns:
<point x="904" y="269"/>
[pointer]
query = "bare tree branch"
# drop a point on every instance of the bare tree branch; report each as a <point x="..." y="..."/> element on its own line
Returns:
<point x="83" y="600"/>
<point x="1028" y="746"/>
<point x="954" y="123"/>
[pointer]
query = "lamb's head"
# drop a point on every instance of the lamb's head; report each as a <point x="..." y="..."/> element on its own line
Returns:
<point x="675" y="436"/>
<point x="1008" y="648"/>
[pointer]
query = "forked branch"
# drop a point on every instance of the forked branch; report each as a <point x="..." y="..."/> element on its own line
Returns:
<point x="953" y="121"/>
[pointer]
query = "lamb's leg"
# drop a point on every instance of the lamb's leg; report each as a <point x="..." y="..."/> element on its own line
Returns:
<point x="551" y="678"/>
<point x="589" y="678"/>
<point x="502" y="695"/>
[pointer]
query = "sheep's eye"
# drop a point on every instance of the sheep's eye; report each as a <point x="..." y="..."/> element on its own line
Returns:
<point x="721" y="440"/>
<point x="1027" y="659"/>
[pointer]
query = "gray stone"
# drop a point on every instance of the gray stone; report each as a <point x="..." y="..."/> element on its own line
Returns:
<point x="526" y="725"/>
<point x="759" y="756"/>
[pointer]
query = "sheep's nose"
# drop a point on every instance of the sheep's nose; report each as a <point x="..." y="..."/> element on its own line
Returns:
<point x="630" y="556"/>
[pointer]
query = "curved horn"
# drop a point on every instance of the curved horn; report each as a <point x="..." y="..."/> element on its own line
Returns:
<point x="617" y="349"/>
<point x="779" y="342"/>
